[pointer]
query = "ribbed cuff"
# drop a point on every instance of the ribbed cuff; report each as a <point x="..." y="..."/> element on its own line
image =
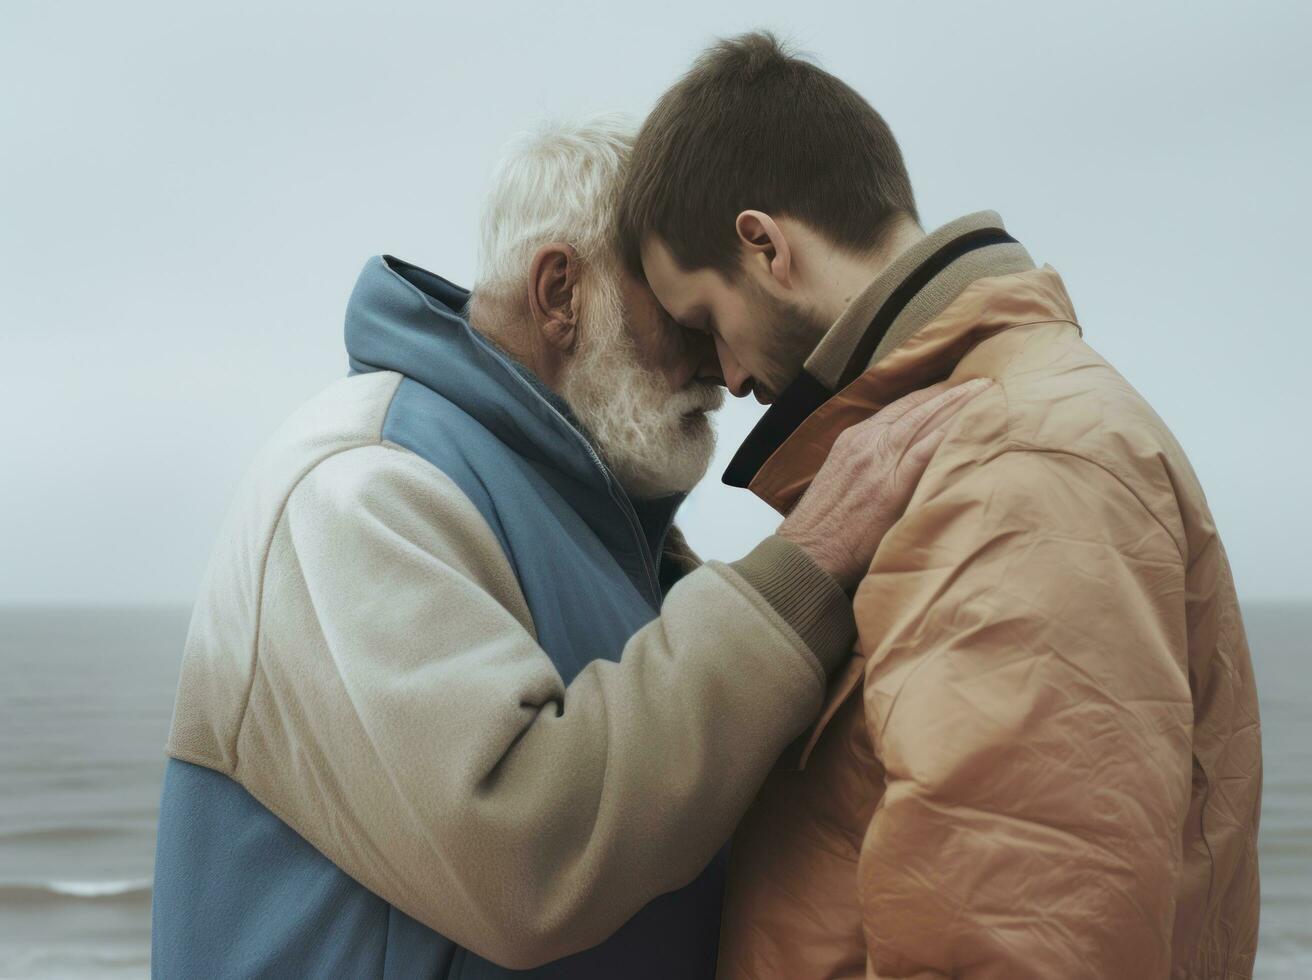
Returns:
<point x="805" y="595"/>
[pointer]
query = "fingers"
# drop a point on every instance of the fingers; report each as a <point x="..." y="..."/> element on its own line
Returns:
<point x="893" y="439"/>
<point x="937" y="411"/>
<point x="893" y="411"/>
<point x="917" y="457"/>
<point x="911" y="465"/>
<point x="933" y="430"/>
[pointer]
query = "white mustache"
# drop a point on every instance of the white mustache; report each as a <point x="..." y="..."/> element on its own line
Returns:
<point x="699" y="396"/>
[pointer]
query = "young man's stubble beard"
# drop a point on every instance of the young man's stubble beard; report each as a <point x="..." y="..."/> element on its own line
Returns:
<point x="657" y="440"/>
<point x="789" y="333"/>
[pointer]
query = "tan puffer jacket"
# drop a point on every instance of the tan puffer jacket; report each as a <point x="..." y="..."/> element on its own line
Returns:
<point x="1045" y="760"/>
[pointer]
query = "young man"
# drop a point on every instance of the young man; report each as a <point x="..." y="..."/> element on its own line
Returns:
<point x="444" y="710"/>
<point x="1048" y="764"/>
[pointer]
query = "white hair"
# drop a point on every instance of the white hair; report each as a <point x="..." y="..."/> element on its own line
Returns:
<point x="556" y="183"/>
<point x="560" y="184"/>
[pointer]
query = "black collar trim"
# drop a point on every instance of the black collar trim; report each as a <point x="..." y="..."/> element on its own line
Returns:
<point x="806" y="394"/>
<point x="794" y="404"/>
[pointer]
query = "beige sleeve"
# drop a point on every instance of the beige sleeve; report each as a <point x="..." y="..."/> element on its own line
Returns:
<point x="404" y="720"/>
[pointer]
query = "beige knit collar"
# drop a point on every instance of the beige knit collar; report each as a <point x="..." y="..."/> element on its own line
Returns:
<point x="915" y="288"/>
<point x="830" y="360"/>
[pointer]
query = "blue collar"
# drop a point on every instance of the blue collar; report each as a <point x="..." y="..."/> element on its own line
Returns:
<point x="403" y="318"/>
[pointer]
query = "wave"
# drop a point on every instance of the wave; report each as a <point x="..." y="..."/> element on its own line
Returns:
<point x="99" y="889"/>
<point x="74" y="960"/>
<point x="69" y="833"/>
<point x="126" y="889"/>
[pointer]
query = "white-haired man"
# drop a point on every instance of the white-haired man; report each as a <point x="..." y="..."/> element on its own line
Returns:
<point x="444" y="711"/>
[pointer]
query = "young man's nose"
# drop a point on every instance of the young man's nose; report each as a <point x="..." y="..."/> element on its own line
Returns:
<point x="707" y="362"/>
<point x="740" y="385"/>
<point x="735" y="376"/>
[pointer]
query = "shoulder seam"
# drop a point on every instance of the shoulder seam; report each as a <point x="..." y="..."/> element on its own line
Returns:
<point x="1017" y="448"/>
<point x="259" y="585"/>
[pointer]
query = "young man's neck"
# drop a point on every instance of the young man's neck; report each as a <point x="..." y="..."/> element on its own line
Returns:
<point x="845" y="275"/>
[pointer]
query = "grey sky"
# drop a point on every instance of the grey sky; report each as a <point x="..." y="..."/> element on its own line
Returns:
<point x="187" y="192"/>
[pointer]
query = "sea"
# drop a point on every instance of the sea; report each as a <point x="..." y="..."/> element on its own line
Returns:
<point x="85" y="701"/>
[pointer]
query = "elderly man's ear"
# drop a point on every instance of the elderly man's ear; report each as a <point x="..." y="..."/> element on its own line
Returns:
<point x="553" y="295"/>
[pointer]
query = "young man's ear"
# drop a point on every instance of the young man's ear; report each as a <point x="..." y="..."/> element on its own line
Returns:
<point x="766" y="244"/>
<point x="553" y="294"/>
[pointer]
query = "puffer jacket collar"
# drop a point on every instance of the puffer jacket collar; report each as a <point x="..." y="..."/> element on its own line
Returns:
<point x="912" y="291"/>
<point x="972" y="338"/>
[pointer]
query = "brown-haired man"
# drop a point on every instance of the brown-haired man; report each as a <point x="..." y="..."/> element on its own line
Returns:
<point x="1044" y="760"/>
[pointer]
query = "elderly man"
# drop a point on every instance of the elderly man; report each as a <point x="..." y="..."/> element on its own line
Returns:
<point x="1049" y="764"/>
<point x="444" y="711"/>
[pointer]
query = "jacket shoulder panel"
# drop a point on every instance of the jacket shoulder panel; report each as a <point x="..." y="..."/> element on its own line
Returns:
<point x="1062" y="396"/>
<point x="219" y="654"/>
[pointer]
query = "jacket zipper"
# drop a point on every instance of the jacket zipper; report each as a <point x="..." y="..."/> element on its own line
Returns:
<point x="617" y="493"/>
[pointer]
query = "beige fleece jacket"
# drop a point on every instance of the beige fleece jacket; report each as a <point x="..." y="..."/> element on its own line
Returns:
<point x="363" y="662"/>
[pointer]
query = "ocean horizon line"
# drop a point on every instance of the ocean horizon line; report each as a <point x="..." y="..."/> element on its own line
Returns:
<point x="172" y="605"/>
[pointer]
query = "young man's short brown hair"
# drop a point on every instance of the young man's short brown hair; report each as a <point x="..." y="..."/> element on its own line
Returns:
<point x="752" y="126"/>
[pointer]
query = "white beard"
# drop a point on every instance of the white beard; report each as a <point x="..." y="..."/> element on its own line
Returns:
<point x="656" y="440"/>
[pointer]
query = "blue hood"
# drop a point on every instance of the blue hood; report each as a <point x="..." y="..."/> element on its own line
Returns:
<point x="403" y="318"/>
